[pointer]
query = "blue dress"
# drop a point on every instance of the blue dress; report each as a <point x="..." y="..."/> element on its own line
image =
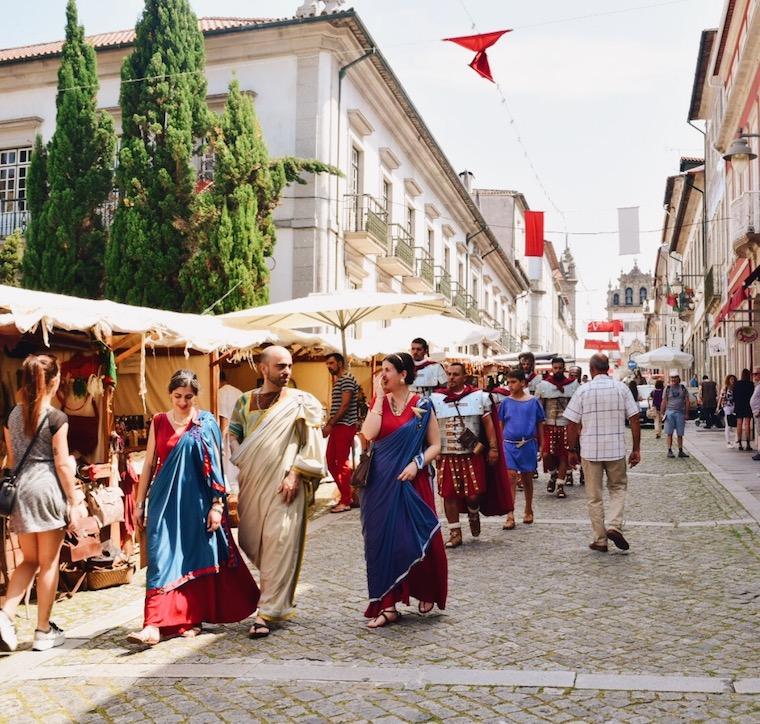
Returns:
<point x="520" y="422"/>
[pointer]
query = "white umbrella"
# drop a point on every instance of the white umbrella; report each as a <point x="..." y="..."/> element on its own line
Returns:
<point x="337" y="309"/>
<point x="440" y="333"/>
<point x="665" y="357"/>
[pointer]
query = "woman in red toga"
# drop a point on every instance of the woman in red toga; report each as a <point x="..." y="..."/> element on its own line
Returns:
<point x="403" y="546"/>
<point x="195" y="572"/>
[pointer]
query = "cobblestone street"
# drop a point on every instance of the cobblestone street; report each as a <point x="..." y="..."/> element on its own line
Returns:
<point x="538" y="628"/>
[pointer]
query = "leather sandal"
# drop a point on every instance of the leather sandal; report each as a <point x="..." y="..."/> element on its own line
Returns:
<point x="509" y="523"/>
<point x="528" y="518"/>
<point x="425" y="607"/>
<point x="455" y="538"/>
<point x="474" y="517"/>
<point x="385" y="615"/>
<point x="561" y="492"/>
<point x="258" y="630"/>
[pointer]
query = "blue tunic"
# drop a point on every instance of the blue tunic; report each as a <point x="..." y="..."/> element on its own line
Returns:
<point x="520" y="421"/>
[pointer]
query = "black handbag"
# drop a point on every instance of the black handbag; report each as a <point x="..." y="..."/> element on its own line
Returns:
<point x="360" y="475"/>
<point x="8" y="486"/>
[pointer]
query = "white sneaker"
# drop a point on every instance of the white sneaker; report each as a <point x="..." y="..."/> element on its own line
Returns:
<point x="8" y="640"/>
<point x="45" y="640"/>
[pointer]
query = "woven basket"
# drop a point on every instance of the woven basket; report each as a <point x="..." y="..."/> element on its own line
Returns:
<point x="232" y="506"/>
<point x="99" y="578"/>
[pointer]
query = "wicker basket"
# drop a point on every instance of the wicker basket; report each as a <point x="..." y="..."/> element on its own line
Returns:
<point x="232" y="506"/>
<point x="98" y="578"/>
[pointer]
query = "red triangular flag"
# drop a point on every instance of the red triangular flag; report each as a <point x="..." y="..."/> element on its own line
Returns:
<point x="479" y="43"/>
<point x="534" y="233"/>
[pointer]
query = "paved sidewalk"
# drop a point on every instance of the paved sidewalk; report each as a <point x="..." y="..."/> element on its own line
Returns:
<point x="537" y="628"/>
<point x="732" y="468"/>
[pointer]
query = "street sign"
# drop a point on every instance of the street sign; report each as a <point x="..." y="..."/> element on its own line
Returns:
<point x="632" y="364"/>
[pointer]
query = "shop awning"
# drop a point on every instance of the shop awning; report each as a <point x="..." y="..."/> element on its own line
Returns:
<point x="737" y="291"/>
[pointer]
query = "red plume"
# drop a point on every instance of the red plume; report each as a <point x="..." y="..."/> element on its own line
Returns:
<point x="479" y="43"/>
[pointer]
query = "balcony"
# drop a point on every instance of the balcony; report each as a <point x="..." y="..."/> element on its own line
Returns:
<point x="443" y="282"/>
<point x="744" y="224"/>
<point x="398" y="259"/>
<point x="459" y="298"/>
<point x="424" y="279"/>
<point x="472" y="313"/>
<point x="366" y="224"/>
<point x="12" y="218"/>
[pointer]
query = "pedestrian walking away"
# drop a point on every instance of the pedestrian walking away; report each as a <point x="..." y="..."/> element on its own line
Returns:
<point x="597" y="413"/>
<point x="655" y="403"/>
<point x="36" y="442"/>
<point x="743" y="391"/>
<point x="463" y="414"/>
<point x="403" y="546"/>
<point x="728" y="410"/>
<point x="195" y="571"/>
<point x="522" y="418"/>
<point x="555" y="391"/>
<point x="708" y="400"/>
<point x="277" y="445"/>
<point x="429" y="375"/>
<point x="675" y="409"/>
<point x="340" y="427"/>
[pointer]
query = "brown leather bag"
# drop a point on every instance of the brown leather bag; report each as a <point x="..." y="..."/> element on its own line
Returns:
<point x="360" y="476"/>
<point x="83" y="543"/>
<point x="106" y="504"/>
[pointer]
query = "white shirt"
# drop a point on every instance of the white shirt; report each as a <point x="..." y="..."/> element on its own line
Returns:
<point x="226" y="399"/>
<point x="754" y="401"/>
<point x="601" y="407"/>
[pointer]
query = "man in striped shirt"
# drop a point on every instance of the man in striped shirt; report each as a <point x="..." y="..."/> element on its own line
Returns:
<point x="341" y="427"/>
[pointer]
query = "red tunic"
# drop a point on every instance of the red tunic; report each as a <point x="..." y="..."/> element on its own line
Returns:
<point x="224" y="597"/>
<point x="427" y="580"/>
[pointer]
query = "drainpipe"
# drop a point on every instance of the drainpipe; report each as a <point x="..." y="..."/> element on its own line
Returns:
<point x="341" y="75"/>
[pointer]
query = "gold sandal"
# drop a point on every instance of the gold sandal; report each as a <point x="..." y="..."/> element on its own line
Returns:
<point x="455" y="538"/>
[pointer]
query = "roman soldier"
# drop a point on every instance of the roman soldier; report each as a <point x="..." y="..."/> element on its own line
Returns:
<point x="430" y="374"/>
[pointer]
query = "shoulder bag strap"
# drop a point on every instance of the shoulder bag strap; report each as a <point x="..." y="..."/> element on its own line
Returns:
<point x="31" y="444"/>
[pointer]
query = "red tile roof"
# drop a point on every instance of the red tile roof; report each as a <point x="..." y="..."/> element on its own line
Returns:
<point x="119" y="38"/>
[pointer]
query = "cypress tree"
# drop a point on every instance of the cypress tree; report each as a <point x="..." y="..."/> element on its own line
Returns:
<point x="163" y="103"/>
<point x="36" y="196"/>
<point x="235" y="222"/>
<point x="11" y="253"/>
<point x="80" y="174"/>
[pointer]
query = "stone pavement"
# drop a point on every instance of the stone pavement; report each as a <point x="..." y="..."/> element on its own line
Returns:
<point x="537" y="628"/>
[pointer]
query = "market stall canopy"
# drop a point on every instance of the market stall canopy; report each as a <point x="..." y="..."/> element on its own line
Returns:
<point x="24" y="310"/>
<point x="665" y="357"/>
<point x="440" y="333"/>
<point x="339" y="310"/>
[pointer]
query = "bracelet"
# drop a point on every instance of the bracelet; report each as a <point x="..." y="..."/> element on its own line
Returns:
<point x="419" y="461"/>
<point x="380" y="413"/>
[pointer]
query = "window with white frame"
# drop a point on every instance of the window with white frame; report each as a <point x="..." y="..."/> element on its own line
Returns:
<point x="460" y="273"/>
<point x="410" y="220"/>
<point x="431" y="243"/>
<point x="447" y="259"/>
<point x="356" y="171"/>
<point x="387" y="197"/>
<point x="475" y="288"/>
<point x="14" y="168"/>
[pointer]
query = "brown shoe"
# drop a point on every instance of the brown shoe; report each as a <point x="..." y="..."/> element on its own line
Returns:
<point x="509" y="523"/>
<point x="618" y="539"/>
<point x="455" y="538"/>
<point x="474" y="517"/>
<point x="601" y="547"/>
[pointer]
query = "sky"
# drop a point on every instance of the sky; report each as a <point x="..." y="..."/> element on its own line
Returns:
<point x="597" y="92"/>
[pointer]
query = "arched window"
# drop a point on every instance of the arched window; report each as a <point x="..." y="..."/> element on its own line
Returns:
<point x="642" y="295"/>
<point x="616" y="299"/>
<point x="629" y="296"/>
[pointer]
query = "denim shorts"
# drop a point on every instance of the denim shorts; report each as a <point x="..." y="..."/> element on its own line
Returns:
<point x="675" y="420"/>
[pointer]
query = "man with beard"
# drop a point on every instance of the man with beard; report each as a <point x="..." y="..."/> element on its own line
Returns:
<point x="277" y="445"/>
<point x="430" y="374"/>
<point x="555" y="391"/>
<point x="463" y="412"/>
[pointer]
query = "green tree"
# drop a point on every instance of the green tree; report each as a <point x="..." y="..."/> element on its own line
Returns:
<point x="11" y="254"/>
<point x="36" y="196"/>
<point x="236" y="231"/>
<point x="164" y="112"/>
<point x="80" y="174"/>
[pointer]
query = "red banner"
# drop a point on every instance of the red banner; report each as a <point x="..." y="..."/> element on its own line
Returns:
<point x="601" y="344"/>
<point x="534" y="233"/>
<point x="610" y="325"/>
<point x="479" y="43"/>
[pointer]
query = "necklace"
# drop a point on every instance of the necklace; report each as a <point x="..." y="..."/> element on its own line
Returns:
<point x="269" y="398"/>
<point x="173" y="419"/>
<point x="394" y="409"/>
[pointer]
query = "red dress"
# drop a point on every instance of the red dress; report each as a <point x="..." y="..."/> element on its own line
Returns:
<point x="227" y="596"/>
<point x="427" y="580"/>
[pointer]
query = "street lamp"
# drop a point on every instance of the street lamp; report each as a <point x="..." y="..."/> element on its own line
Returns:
<point x="739" y="152"/>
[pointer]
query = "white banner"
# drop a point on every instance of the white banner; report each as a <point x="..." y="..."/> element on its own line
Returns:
<point x="717" y="347"/>
<point x="628" y="230"/>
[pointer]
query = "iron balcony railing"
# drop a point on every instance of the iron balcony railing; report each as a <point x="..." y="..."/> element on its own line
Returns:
<point x="365" y="213"/>
<point x="12" y="220"/>
<point x="401" y="245"/>
<point x="459" y="297"/>
<point x="425" y="268"/>
<point x="473" y="312"/>
<point x="443" y="283"/>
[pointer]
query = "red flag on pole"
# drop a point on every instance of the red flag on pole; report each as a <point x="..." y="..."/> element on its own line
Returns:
<point x="479" y="43"/>
<point x="534" y="233"/>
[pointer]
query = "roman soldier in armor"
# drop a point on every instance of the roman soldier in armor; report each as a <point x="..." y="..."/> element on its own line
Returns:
<point x="430" y="374"/>
<point x="463" y="413"/>
<point x="555" y="391"/>
<point x="527" y="363"/>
